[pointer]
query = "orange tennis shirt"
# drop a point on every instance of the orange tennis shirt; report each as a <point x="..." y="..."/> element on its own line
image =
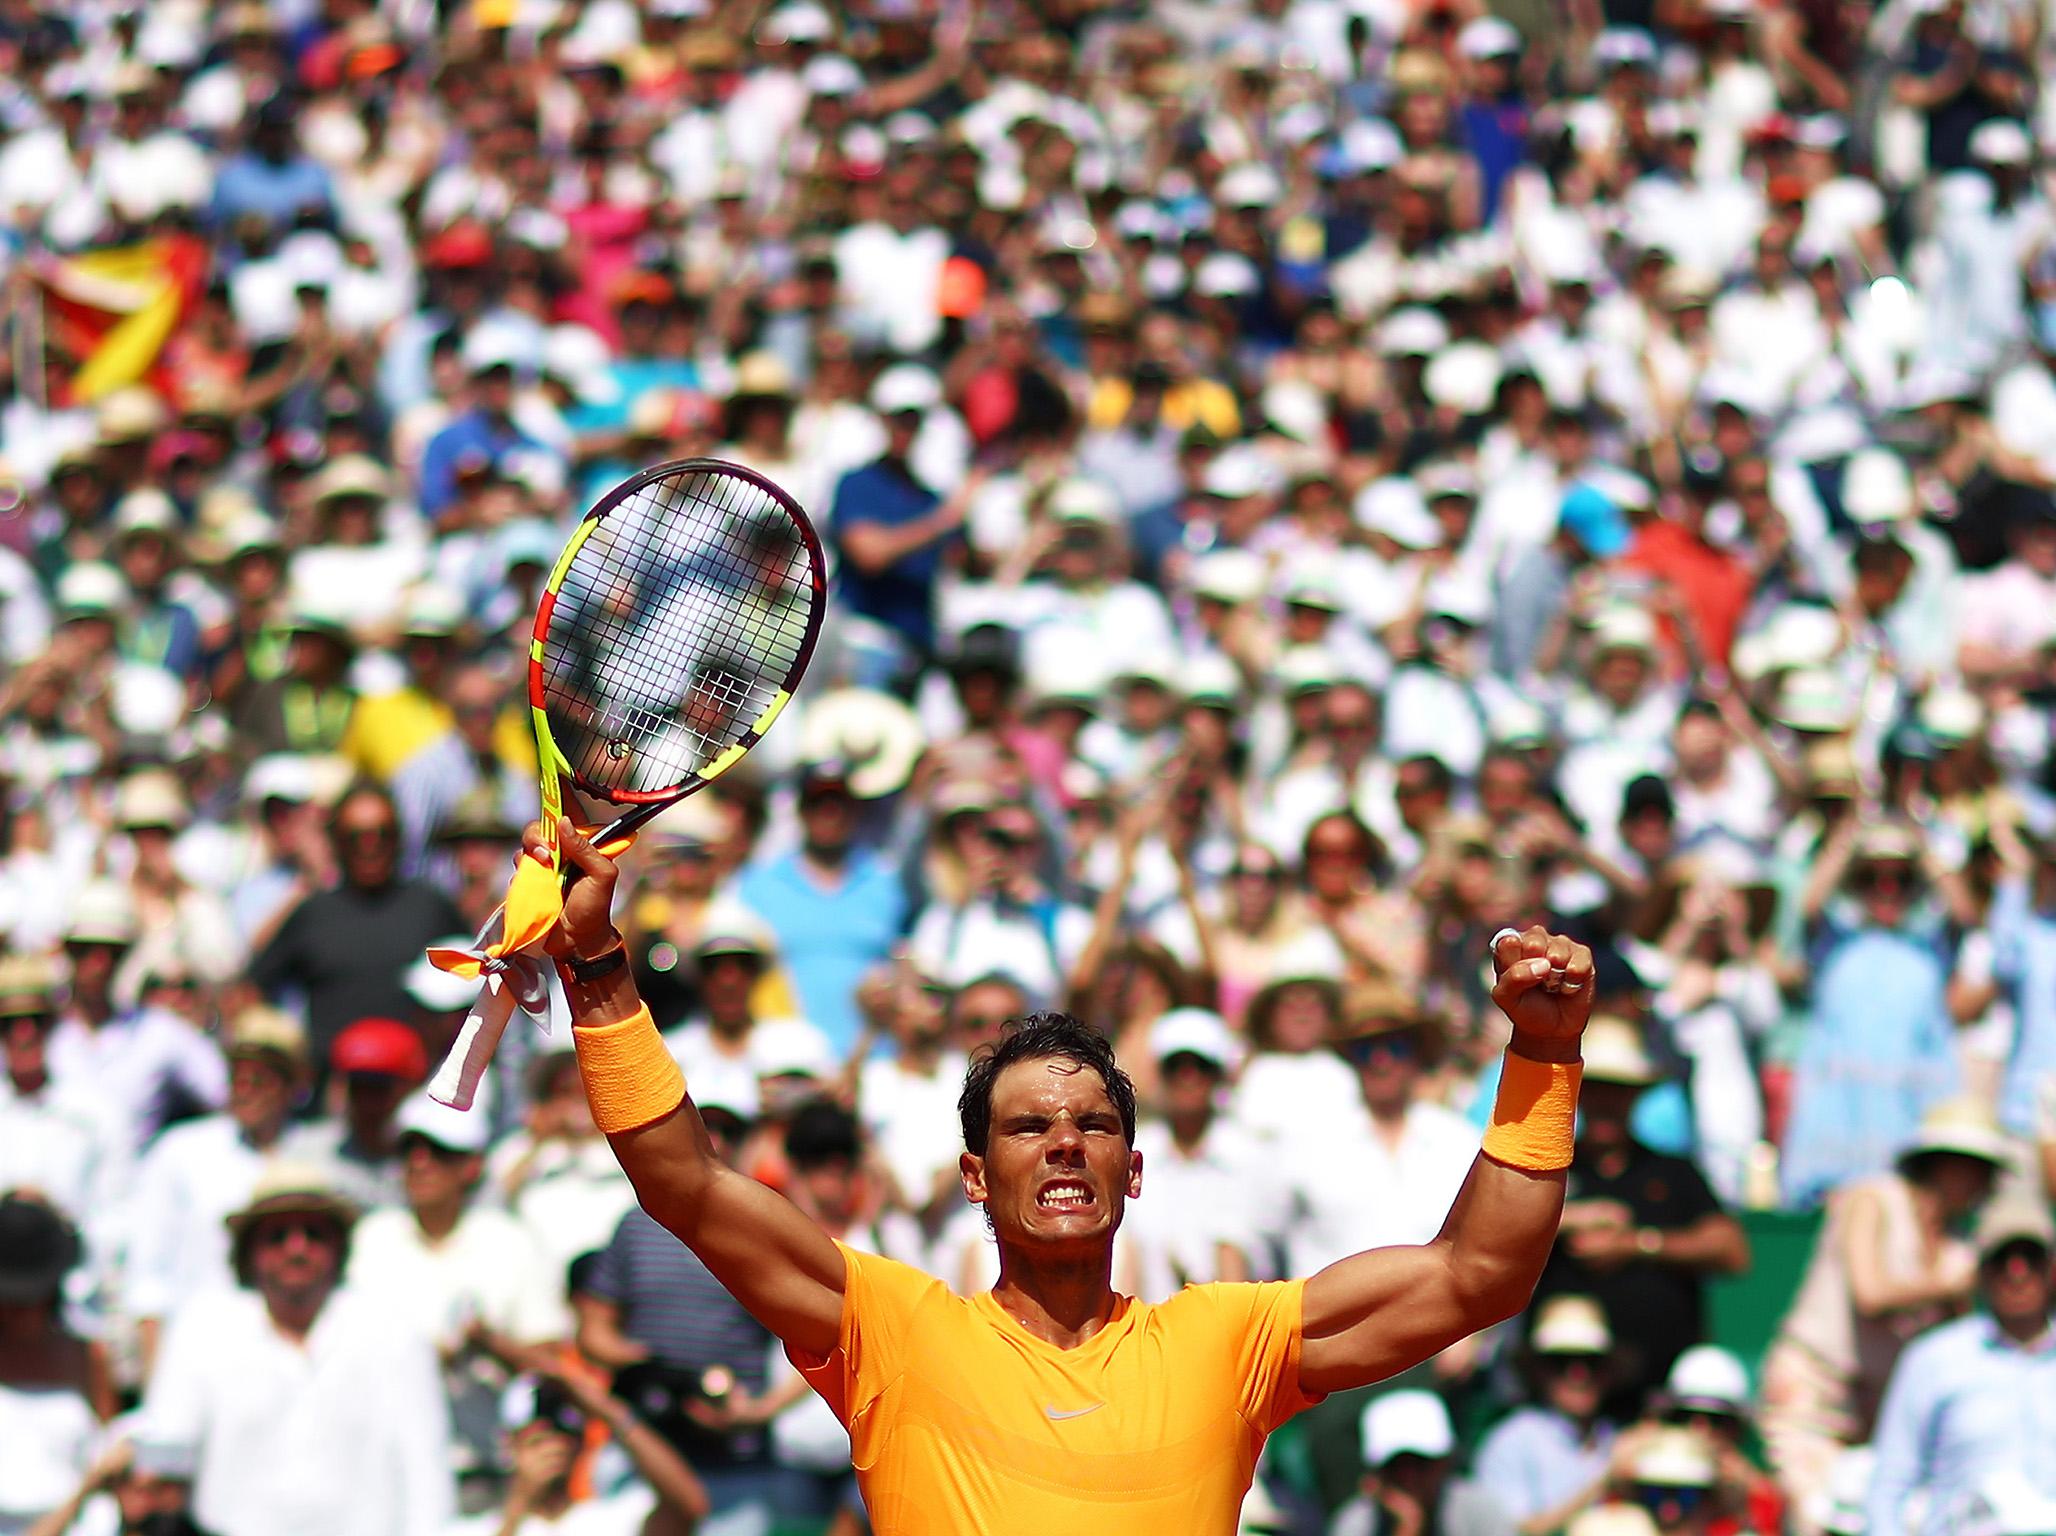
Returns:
<point x="962" y="1423"/>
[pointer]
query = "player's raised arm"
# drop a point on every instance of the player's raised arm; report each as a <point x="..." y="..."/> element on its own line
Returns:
<point x="1375" y="1314"/>
<point x="772" y="1259"/>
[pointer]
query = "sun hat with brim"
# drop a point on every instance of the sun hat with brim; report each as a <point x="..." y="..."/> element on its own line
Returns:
<point x="103" y="912"/>
<point x="38" y="1247"/>
<point x="879" y="737"/>
<point x="1887" y="842"/>
<point x="2013" y="1218"/>
<point x="1674" y="1458"/>
<point x="1964" y="1128"/>
<point x="1373" y="1008"/>
<point x="1613" y="1520"/>
<point x="150" y="799"/>
<point x="1614" y="1053"/>
<point x="354" y="474"/>
<point x="28" y="986"/>
<point x="90" y="589"/>
<point x="264" y="1031"/>
<point x="288" y="1188"/>
<point x="1570" y="1325"/>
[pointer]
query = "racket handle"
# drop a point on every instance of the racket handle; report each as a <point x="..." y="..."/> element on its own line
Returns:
<point x="621" y="829"/>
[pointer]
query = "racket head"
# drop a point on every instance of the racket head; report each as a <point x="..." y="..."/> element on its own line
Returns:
<point x="671" y="633"/>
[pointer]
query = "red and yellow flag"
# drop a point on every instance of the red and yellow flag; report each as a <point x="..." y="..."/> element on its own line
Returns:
<point x="114" y="309"/>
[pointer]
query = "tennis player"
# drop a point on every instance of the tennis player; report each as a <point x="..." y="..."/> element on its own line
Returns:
<point x="1052" y="1403"/>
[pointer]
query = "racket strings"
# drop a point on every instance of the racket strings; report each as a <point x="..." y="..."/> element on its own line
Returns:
<point x="679" y="622"/>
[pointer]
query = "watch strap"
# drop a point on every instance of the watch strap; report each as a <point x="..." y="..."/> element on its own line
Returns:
<point x="585" y="972"/>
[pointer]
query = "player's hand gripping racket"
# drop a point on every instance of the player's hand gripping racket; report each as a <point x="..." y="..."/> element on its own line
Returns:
<point x="670" y="634"/>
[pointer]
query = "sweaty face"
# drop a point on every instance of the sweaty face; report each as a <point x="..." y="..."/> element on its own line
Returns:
<point x="1057" y="1168"/>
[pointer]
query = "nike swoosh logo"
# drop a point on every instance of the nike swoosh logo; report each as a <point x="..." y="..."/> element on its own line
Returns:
<point x="1075" y="1413"/>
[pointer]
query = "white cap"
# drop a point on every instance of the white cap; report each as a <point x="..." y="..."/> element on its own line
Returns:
<point x="1570" y="1325"/>
<point x="830" y="74"/>
<point x="1814" y="699"/>
<point x="800" y="22"/>
<point x="1238" y="470"/>
<point x="906" y="387"/>
<point x="1709" y="1377"/>
<point x="1395" y="507"/>
<point x="1410" y="1423"/>
<point x="437" y="990"/>
<point x="1624" y="45"/>
<point x="1311" y="582"/>
<point x="1488" y="38"/>
<point x="432" y="610"/>
<point x="1876" y="487"/>
<point x="1952" y="715"/>
<point x="1464" y="377"/>
<point x="1371" y="144"/>
<point x="494" y="345"/>
<point x="1209" y="678"/>
<point x="90" y="587"/>
<point x="1796" y="635"/>
<point x="1248" y="185"/>
<point x="1225" y="275"/>
<point x="1078" y="500"/>
<point x="1411" y="333"/>
<point x="2001" y="141"/>
<point x="1296" y="408"/>
<point x="1306" y="668"/>
<point x="1228" y="575"/>
<point x="147" y="510"/>
<point x="579" y="356"/>
<point x="1623" y="627"/>
<point x="782" y="1046"/>
<point x="459" y="1130"/>
<point x="284" y="776"/>
<point x="1196" y="1032"/>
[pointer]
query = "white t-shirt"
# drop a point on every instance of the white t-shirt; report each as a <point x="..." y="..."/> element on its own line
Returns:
<point x="1351" y="1192"/>
<point x="488" y="1268"/>
<point x="912" y="1119"/>
<point x="620" y="1514"/>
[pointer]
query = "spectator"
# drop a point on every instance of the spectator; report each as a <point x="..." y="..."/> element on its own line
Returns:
<point x="1409" y="1449"/>
<point x="650" y="1312"/>
<point x="53" y="1387"/>
<point x="1641" y="1231"/>
<point x="547" y="1420"/>
<point x="834" y="906"/>
<point x="556" y="1174"/>
<point x="464" y="1276"/>
<point x="1962" y="1414"/>
<point x="307" y="1409"/>
<point x="378" y="1062"/>
<point x="1206" y="1216"/>
<point x="1886" y="1268"/>
<point x="140" y="1484"/>
<point x="60" y="1145"/>
<point x="1553" y="1456"/>
<point x="146" y="1064"/>
<point x="196" y="1174"/>
<point x="344" y="950"/>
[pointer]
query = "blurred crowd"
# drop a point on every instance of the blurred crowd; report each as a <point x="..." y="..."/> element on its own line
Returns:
<point x="1307" y="483"/>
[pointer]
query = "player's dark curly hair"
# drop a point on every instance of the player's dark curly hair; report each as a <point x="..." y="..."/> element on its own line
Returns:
<point x="1032" y="1038"/>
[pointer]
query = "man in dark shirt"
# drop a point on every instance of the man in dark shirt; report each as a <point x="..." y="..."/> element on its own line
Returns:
<point x="685" y="1353"/>
<point x="347" y="950"/>
<point x="1640" y="1230"/>
<point x="892" y="531"/>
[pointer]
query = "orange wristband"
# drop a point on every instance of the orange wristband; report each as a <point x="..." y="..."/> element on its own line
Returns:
<point x="1535" y="1117"/>
<point x="631" y="1080"/>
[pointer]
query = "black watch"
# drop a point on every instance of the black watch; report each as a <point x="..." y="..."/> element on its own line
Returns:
<point x="585" y="972"/>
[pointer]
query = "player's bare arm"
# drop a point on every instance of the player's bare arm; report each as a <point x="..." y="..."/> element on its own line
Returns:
<point x="1377" y="1313"/>
<point x="770" y="1256"/>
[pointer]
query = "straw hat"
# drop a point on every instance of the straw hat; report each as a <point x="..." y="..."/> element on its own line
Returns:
<point x="1614" y="1053"/>
<point x="1963" y="1127"/>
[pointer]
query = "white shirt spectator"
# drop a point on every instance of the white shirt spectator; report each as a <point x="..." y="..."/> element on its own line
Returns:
<point x="342" y="1434"/>
<point x="911" y="1119"/>
<point x="569" y="1195"/>
<point x="1193" y="1202"/>
<point x="1356" y="1192"/>
<point x="131" y="1063"/>
<point x="186" y="1185"/>
<point x="488" y="1268"/>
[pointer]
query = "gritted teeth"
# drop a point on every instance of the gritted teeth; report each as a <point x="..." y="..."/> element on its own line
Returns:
<point x="1064" y="1194"/>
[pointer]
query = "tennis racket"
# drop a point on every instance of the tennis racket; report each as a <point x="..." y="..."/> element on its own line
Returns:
<point x="670" y="635"/>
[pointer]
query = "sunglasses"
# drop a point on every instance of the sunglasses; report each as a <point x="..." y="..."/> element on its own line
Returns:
<point x="435" y="1149"/>
<point x="1398" y="1045"/>
<point x="385" y="832"/>
<point x="312" y="1229"/>
<point x="1685" y="1500"/>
